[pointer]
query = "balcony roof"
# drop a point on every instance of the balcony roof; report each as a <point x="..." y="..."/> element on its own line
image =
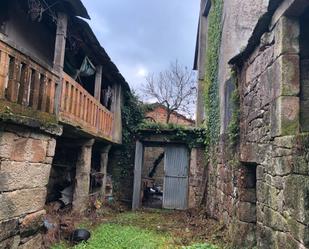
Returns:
<point x="72" y="7"/>
<point x="78" y="8"/>
<point x="96" y="52"/>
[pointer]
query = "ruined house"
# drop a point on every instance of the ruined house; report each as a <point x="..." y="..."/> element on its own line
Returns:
<point x="258" y="185"/>
<point x="60" y="111"/>
<point x="169" y="162"/>
<point x="153" y="170"/>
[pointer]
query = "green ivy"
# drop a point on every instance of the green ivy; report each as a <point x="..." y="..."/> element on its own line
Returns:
<point x="233" y="127"/>
<point x="212" y="102"/>
<point x="132" y="116"/>
<point x="193" y="137"/>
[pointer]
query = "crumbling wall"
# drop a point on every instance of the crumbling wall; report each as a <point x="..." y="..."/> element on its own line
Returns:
<point x="269" y="121"/>
<point x="25" y="156"/>
<point x="271" y="211"/>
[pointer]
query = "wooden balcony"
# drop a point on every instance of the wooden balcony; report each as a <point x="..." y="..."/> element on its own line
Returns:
<point x="29" y="89"/>
<point x="81" y="109"/>
<point x="26" y="87"/>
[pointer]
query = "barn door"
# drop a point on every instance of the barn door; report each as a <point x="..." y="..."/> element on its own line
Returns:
<point x="176" y="165"/>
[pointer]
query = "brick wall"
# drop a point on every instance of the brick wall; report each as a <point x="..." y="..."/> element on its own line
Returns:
<point x="159" y="115"/>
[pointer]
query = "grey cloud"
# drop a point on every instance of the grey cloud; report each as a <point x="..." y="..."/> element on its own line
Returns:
<point x="150" y="33"/>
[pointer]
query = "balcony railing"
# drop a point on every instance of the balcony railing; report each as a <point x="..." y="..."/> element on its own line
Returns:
<point x="25" y="82"/>
<point x="32" y="86"/>
<point x="79" y="108"/>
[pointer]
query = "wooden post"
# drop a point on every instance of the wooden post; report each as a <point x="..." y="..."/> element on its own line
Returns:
<point x="62" y="24"/>
<point x="139" y="160"/>
<point x="116" y="110"/>
<point x="103" y="163"/>
<point x="98" y="83"/>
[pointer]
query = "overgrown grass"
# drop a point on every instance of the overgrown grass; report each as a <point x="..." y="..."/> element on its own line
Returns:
<point x="113" y="236"/>
<point x="139" y="230"/>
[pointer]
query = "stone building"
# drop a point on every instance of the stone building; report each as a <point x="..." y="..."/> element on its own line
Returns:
<point x="259" y="187"/>
<point x="60" y="111"/>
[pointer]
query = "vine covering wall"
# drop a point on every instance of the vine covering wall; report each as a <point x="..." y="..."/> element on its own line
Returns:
<point x="212" y="102"/>
<point x="122" y="157"/>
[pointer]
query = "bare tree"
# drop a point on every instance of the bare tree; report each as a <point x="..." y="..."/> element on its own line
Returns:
<point x="174" y="88"/>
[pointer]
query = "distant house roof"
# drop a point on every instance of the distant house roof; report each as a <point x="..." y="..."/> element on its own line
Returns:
<point x="154" y="106"/>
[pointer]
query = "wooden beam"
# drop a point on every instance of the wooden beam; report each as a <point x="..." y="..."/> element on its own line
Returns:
<point x="139" y="160"/>
<point x="61" y="33"/>
<point x="98" y="83"/>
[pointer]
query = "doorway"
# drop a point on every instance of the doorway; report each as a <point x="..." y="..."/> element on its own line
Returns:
<point x="164" y="184"/>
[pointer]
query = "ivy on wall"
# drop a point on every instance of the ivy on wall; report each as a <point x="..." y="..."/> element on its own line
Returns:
<point x="234" y="125"/>
<point x="212" y="102"/>
<point x="123" y="163"/>
<point x="192" y="136"/>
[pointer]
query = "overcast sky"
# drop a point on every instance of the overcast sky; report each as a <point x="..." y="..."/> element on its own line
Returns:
<point x="143" y="36"/>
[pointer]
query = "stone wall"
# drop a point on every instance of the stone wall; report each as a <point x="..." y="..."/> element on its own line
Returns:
<point x="25" y="156"/>
<point x="239" y="19"/>
<point x="262" y="191"/>
<point x="270" y="117"/>
<point x="197" y="177"/>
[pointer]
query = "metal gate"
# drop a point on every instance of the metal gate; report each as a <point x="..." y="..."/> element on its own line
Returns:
<point x="176" y="165"/>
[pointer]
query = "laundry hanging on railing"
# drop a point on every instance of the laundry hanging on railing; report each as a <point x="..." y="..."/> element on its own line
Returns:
<point x="86" y="69"/>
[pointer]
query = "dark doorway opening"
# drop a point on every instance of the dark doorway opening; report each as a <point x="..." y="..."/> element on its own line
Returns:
<point x="60" y="189"/>
<point x="248" y="200"/>
<point x="153" y="177"/>
<point x="304" y="71"/>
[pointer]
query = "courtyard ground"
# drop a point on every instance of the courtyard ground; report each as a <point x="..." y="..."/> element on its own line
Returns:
<point x="151" y="229"/>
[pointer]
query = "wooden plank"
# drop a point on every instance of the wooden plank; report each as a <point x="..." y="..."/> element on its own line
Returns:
<point x="4" y="70"/>
<point x="24" y="85"/>
<point x="52" y="96"/>
<point x="71" y="99"/>
<point x="63" y="93"/>
<point x="80" y="105"/>
<point x="48" y="92"/>
<point x="68" y="94"/>
<point x="42" y="94"/>
<point x="139" y="160"/>
<point x="14" y="68"/>
<point x="84" y="108"/>
<point x="36" y="90"/>
<point x="77" y="103"/>
<point x="90" y="112"/>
